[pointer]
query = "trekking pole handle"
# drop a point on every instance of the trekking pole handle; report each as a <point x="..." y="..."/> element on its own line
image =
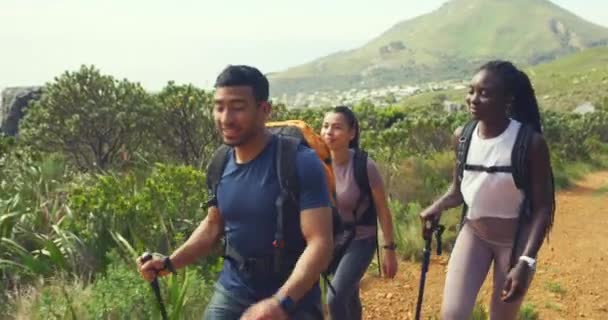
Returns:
<point x="168" y="265"/>
<point x="429" y="228"/>
<point x="147" y="256"/>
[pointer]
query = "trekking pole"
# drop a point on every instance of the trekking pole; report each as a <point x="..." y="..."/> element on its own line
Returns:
<point x="155" y="287"/>
<point x="378" y="255"/>
<point x="430" y="227"/>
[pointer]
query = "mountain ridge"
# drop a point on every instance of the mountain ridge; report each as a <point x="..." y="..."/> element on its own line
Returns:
<point x="448" y="43"/>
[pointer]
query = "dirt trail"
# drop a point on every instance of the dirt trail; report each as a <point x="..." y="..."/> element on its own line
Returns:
<point x="572" y="277"/>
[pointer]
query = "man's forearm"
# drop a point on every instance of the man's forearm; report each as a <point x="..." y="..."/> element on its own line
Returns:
<point x="313" y="261"/>
<point x="200" y="243"/>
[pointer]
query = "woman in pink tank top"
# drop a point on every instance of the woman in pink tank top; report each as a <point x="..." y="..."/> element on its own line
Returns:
<point x="361" y="206"/>
<point x="497" y="232"/>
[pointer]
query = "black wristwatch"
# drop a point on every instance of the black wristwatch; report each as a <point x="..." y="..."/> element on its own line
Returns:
<point x="168" y="265"/>
<point x="390" y="246"/>
<point x="286" y="303"/>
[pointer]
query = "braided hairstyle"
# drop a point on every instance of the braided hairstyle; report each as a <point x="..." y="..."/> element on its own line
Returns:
<point x="516" y="83"/>
<point x="524" y="107"/>
<point x="353" y="123"/>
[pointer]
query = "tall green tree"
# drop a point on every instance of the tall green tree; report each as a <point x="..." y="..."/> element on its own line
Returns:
<point x="185" y="128"/>
<point x="94" y="119"/>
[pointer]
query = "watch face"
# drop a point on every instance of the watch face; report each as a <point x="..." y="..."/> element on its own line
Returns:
<point x="287" y="304"/>
<point x="530" y="263"/>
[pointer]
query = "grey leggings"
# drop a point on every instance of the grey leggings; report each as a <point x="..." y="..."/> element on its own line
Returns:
<point x="467" y="269"/>
<point x="345" y="304"/>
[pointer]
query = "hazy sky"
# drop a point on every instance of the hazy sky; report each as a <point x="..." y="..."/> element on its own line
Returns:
<point x="190" y="41"/>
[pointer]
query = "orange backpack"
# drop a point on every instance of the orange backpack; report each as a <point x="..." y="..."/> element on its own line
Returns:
<point x="301" y="130"/>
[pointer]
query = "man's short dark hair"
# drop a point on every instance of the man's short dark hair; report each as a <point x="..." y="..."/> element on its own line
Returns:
<point x="242" y="75"/>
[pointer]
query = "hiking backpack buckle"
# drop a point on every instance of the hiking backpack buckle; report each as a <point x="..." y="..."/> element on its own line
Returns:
<point x="279" y="244"/>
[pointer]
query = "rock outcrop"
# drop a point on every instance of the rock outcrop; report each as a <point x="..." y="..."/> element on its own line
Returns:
<point x="13" y="107"/>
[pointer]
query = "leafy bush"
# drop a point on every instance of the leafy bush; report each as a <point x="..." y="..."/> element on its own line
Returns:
<point x="90" y="117"/>
<point x="6" y="143"/>
<point x="32" y="211"/>
<point x="154" y="213"/>
<point x="184" y="124"/>
<point x="122" y="294"/>
<point x="119" y="293"/>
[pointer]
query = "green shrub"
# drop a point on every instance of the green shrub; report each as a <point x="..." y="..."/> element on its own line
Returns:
<point x="56" y="299"/>
<point x="92" y="118"/>
<point x="527" y="312"/>
<point x="122" y="294"/>
<point x="153" y="213"/>
<point x="408" y="230"/>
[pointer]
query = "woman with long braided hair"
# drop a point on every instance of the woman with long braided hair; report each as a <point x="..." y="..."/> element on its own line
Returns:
<point x="504" y="222"/>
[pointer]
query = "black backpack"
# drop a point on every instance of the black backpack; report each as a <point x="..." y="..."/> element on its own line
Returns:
<point x="370" y="216"/>
<point x="367" y="218"/>
<point x="518" y="168"/>
<point x="287" y="247"/>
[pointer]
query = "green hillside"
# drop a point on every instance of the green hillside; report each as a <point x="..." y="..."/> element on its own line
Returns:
<point x="448" y="43"/>
<point x="562" y="84"/>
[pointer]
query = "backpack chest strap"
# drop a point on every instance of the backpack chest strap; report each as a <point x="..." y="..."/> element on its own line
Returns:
<point x="491" y="169"/>
<point x="259" y="266"/>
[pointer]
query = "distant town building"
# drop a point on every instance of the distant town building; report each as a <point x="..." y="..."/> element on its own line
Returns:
<point x="451" y="106"/>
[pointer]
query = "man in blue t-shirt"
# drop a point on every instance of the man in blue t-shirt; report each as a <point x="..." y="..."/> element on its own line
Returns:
<point x="246" y="214"/>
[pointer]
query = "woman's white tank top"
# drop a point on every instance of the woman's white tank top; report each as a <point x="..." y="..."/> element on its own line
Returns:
<point x="491" y="194"/>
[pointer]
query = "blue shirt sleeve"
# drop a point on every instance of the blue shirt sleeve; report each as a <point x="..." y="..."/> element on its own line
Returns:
<point x="313" y="183"/>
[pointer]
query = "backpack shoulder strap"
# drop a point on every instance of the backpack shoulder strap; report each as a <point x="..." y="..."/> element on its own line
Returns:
<point x="519" y="156"/>
<point x="464" y="142"/>
<point x="285" y="164"/>
<point x="215" y="169"/>
<point x="368" y="217"/>
<point x="463" y="147"/>
<point x="362" y="180"/>
<point x="360" y="171"/>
